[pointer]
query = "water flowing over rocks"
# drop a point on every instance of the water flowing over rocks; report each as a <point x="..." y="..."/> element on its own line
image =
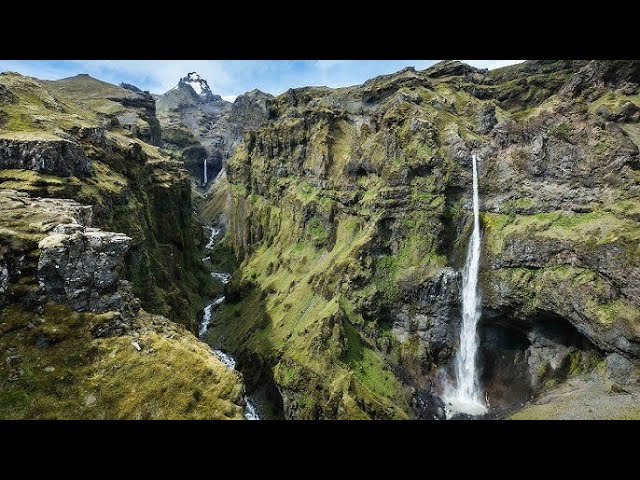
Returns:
<point x="250" y="412"/>
<point x="347" y="218"/>
<point x="355" y="204"/>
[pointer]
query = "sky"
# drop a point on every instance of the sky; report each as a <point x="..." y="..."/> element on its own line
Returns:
<point x="228" y="78"/>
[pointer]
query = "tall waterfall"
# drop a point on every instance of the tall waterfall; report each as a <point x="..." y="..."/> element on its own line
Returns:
<point x="204" y="175"/>
<point x="466" y="397"/>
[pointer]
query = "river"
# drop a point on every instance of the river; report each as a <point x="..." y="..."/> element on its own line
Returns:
<point x="250" y="412"/>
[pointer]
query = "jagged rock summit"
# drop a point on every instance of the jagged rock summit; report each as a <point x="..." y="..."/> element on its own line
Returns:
<point x="201" y="128"/>
<point x="198" y="84"/>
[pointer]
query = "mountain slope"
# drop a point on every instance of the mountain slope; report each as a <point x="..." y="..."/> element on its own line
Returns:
<point x="199" y="127"/>
<point x="75" y="169"/>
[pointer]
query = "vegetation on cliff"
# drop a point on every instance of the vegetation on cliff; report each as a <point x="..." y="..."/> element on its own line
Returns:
<point x="93" y="142"/>
<point x="349" y="212"/>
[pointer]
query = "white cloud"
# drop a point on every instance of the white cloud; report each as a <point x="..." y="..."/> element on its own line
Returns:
<point x="491" y="64"/>
<point x="229" y="98"/>
<point x="327" y="64"/>
<point x="160" y="75"/>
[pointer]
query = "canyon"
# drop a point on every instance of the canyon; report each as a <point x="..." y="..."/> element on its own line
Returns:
<point x="318" y="271"/>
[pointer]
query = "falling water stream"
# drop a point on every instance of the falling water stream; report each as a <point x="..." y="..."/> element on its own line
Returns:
<point x="204" y="175"/>
<point x="466" y="396"/>
<point x="227" y="359"/>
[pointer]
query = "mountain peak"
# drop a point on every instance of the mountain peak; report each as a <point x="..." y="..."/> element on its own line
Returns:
<point x="197" y="83"/>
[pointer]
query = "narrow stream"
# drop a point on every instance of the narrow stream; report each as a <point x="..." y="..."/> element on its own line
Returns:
<point x="250" y="412"/>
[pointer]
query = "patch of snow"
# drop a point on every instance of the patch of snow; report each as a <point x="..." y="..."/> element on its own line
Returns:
<point x="197" y="87"/>
<point x="199" y="84"/>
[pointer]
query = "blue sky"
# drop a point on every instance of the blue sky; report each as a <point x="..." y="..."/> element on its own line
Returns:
<point x="228" y="78"/>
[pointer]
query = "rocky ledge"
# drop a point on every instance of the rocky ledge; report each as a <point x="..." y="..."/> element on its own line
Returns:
<point x="57" y="157"/>
<point x="78" y="267"/>
<point x="51" y="242"/>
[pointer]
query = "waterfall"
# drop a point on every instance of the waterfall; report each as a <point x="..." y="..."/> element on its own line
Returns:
<point x="204" y="176"/>
<point x="466" y="397"/>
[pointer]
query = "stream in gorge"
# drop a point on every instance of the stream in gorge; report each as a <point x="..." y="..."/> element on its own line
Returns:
<point x="251" y="412"/>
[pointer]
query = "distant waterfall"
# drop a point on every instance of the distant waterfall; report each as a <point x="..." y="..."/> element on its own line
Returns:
<point x="204" y="176"/>
<point x="466" y="397"/>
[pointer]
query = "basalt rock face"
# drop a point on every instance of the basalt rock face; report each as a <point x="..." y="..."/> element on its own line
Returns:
<point x="351" y="211"/>
<point x="199" y="126"/>
<point x="248" y="112"/>
<point x="57" y="157"/>
<point x="77" y="266"/>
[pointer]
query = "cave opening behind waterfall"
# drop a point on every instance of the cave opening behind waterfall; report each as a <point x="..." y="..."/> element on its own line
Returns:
<point x="520" y="358"/>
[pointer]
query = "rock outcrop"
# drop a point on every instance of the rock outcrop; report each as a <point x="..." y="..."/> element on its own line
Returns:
<point x="56" y="157"/>
<point x="78" y="266"/>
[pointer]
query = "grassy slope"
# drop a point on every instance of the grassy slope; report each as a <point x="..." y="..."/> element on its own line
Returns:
<point x="74" y="376"/>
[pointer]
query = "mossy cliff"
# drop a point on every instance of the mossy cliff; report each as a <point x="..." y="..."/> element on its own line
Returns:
<point x="133" y="186"/>
<point x="77" y="164"/>
<point x="349" y="210"/>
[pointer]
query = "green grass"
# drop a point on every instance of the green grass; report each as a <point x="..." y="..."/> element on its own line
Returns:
<point x="613" y="101"/>
<point x="369" y="367"/>
<point x="173" y="377"/>
<point x="561" y="131"/>
<point x="294" y="322"/>
<point x="597" y="227"/>
<point x="317" y="231"/>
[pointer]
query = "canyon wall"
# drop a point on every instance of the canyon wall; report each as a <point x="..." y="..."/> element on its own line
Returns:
<point x="350" y="210"/>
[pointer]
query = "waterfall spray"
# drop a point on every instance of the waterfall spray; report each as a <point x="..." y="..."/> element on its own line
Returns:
<point x="466" y="397"/>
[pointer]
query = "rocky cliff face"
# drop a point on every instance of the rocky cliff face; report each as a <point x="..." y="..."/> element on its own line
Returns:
<point x="350" y="210"/>
<point x="58" y="157"/>
<point x="61" y="141"/>
<point x="200" y="126"/>
<point x="69" y="324"/>
<point x="77" y="341"/>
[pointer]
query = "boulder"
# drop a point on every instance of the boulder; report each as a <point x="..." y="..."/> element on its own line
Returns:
<point x="79" y="266"/>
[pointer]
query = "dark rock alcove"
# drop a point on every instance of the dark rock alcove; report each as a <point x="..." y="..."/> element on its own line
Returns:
<point x="521" y="357"/>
